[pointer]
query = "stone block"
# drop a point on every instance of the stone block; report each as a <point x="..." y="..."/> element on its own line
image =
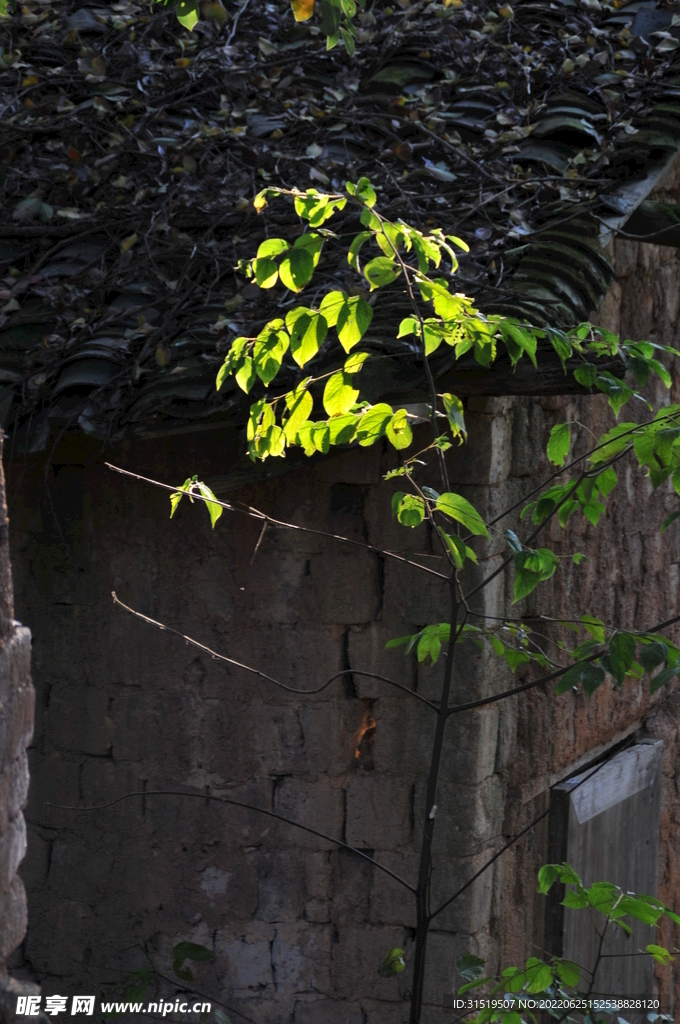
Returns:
<point x="648" y="256"/>
<point x="15" y="662"/>
<point x="80" y="870"/>
<point x="328" y="1011"/>
<point x="301" y="958"/>
<point x="34" y="867"/>
<point x="356" y="957"/>
<point x="379" y="811"/>
<point x="470" y="745"/>
<point x="10" y="990"/>
<point x="378" y="1012"/>
<point x="12" y="850"/>
<point x="55" y="780"/>
<point x="57" y="936"/>
<point x="317" y="804"/>
<point x="469" y="912"/>
<point x="359" y="466"/>
<point x="79" y="721"/>
<point x="243" y="959"/>
<point x="281" y="889"/>
<point x="404" y="733"/>
<point x="608" y="313"/>
<point x="328" y="732"/>
<point x="366" y="650"/>
<point x="413" y="596"/>
<point x="625" y="256"/>
<point x="443" y="949"/>
<point x="467" y="816"/>
<point x="390" y="903"/>
<point x="12" y="918"/>
<point x="13" y="789"/>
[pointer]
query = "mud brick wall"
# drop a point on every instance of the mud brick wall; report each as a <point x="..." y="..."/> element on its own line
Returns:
<point x="632" y="578"/>
<point x="299" y="928"/>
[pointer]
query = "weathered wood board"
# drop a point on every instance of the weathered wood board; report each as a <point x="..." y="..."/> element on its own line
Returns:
<point x="605" y="824"/>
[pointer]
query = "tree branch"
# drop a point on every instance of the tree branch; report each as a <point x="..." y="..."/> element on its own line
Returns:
<point x="279" y="524"/>
<point x="263" y="675"/>
<point x="247" y="807"/>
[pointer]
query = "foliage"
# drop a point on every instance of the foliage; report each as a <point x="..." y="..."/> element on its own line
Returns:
<point x="336" y="21"/>
<point x="558" y="978"/>
<point x="389" y="254"/>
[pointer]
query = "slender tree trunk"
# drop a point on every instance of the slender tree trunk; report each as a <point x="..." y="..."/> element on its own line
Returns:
<point x="422" y="894"/>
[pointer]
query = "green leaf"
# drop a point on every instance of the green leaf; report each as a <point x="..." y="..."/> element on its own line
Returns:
<point x="470" y="967"/>
<point x="622" y="648"/>
<point x="540" y="979"/>
<point x="568" y="972"/>
<point x="176" y="497"/>
<point x="245" y="376"/>
<point x="586" y="374"/>
<point x="234" y="358"/>
<point x="308" y="331"/>
<point x="192" y="951"/>
<point x="299" y="404"/>
<point x="455" y="414"/>
<point x="321" y="437"/>
<point x="373" y="424"/>
<point x="592" y="676"/>
<point x="357" y="243"/>
<point x="363" y="190"/>
<point x="398" y="430"/>
<point x="661" y="678"/>
<point x="456" y="546"/>
<point x="593" y="626"/>
<point x="187" y="14"/>
<point x="296" y="269"/>
<point x="272" y="247"/>
<point x="411" y="510"/>
<point x="473" y="984"/>
<point x="381" y="271"/>
<point x="269" y="349"/>
<point x="339" y="395"/>
<point x="266" y="272"/>
<point x="458" y="508"/>
<point x="652" y="655"/>
<point x="613" y="442"/>
<point x="392" y="964"/>
<point x="532" y="568"/>
<point x="559" y="443"/>
<point x="215" y="510"/>
<point x="525" y="340"/>
<point x="571" y="678"/>
<point x="343" y="428"/>
<point x="355" y="362"/>
<point x="354" y="319"/>
<point x="660" y="954"/>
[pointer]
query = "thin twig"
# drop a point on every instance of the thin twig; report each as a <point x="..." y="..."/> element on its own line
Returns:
<point x="279" y="524"/>
<point x="247" y="807"/>
<point x="263" y="675"/>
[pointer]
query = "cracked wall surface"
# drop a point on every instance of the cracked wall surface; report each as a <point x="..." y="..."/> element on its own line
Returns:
<point x="298" y="927"/>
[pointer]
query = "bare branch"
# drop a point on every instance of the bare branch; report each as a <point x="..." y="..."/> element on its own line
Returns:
<point x="279" y="524"/>
<point x="263" y="675"/>
<point x="247" y="807"/>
